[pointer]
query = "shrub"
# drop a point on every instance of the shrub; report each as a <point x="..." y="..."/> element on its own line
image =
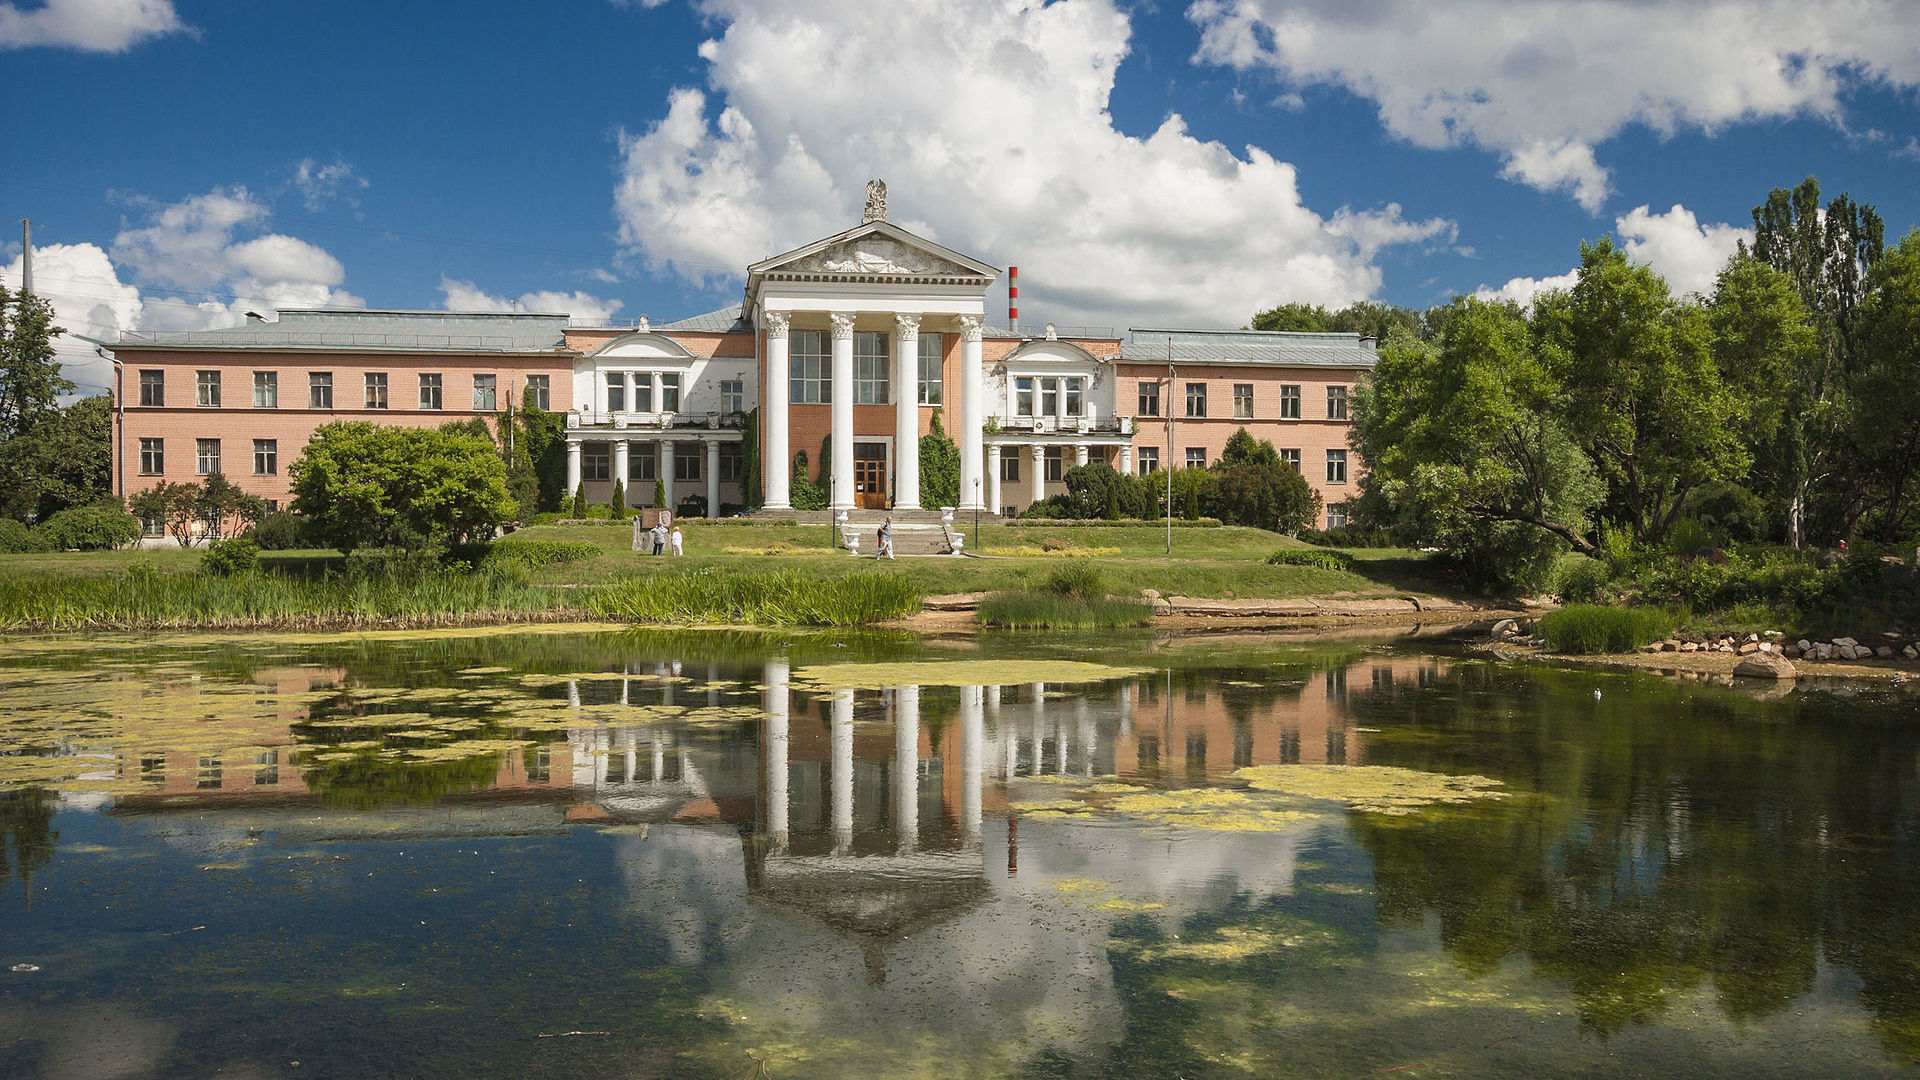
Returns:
<point x="778" y="598"/>
<point x="225" y="558"/>
<point x="595" y="512"/>
<point x="547" y="517"/>
<point x="535" y="553"/>
<point x="16" y="537"/>
<point x="1080" y="580"/>
<point x="1348" y="536"/>
<point x="281" y="531"/>
<point x="1031" y="610"/>
<point x="1582" y="580"/>
<point x="691" y="506"/>
<point x="618" y="503"/>
<point x="1586" y="628"/>
<point x="95" y="527"/>
<point x="1320" y="557"/>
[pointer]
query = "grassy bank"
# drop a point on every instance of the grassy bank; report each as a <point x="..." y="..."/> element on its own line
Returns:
<point x="747" y="598"/>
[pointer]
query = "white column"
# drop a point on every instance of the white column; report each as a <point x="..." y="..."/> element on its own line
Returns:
<point x="620" y="467"/>
<point x="841" y="497"/>
<point x="713" y="478"/>
<point x="776" y="469"/>
<point x="972" y="400"/>
<point x="993" y="479"/>
<point x="906" y="415"/>
<point x="906" y="768"/>
<point x="775" y="675"/>
<point x="972" y="738"/>
<point x="1126" y="461"/>
<point x="663" y="468"/>
<point x="1039" y="454"/>
<point x="573" y="467"/>
<point x="1080" y="454"/>
<point x="840" y="740"/>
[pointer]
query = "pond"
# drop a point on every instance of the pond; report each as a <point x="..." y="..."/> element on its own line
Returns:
<point x="580" y="853"/>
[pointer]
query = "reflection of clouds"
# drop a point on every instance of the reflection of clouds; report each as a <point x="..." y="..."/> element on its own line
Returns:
<point x="689" y="884"/>
<point x="1187" y="870"/>
<point x="89" y="1042"/>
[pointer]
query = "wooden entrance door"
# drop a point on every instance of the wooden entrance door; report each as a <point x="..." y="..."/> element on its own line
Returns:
<point x="870" y="476"/>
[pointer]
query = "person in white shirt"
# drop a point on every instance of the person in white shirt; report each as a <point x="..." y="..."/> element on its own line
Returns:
<point x="675" y="539"/>
<point x="883" y="542"/>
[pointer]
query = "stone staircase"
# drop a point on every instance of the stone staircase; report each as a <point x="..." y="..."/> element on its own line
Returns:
<point x="915" y="532"/>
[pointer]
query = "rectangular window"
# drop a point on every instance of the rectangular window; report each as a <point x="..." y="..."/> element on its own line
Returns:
<point x="1010" y="465"/>
<point x="206" y="456"/>
<point x="1289" y="403"/>
<point x="376" y="389"/>
<point x="1073" y="392"/>
<point x="153" y="388"/>
<point x="932" y="353"/>
<point x="1196" y="457"/>
<point x="1291" y="457"/>
<point x="1054" y="462"/>
<point x="596" y="461"/>
<point x="686" y="461"/>
<point x="1243" y="401"/>
<point x="643" y="391"/>
<point x="669" y="392"/>
<point x="486" y="393"/>
<point x="153" y="457"/>
<point x="812" y="382"/>
<point x="642" y="464"/>
<point x="319" y="389"/>
<point x="1197" y="399"/>
<point x="537" y="394"/>
<point x="266" y="389"/>
<point x="1023" y="396"/>
<point x="733" y="395"/>
<point x="870" y="368"/>
<point x="430" y="391"/>
<point x="1149" y="399"/>
<point x="1336" y="403"/>
<point x="206" y="389"/>
<point x="153" y="526"/>
<point x="731" y="460"/>
<point x="1336" y="466"/>
<point x="1049" y="397"/>
<point x="616" y="391"/>
<point x="1336" y="517"/>
<point x="266" y="457"/>
<point x="1149" y="459"/>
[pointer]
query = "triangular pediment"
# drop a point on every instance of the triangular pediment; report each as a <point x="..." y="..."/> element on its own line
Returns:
<point x="876" y="249"/>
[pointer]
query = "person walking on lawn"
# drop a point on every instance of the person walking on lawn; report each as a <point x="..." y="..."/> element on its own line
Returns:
<point x="883" y="543"/>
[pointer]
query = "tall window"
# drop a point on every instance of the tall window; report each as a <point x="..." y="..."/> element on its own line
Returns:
<point x="153" y="388"/>
<point x="153" y="457"/>
<point x="1243" y="401"/>
<point x="266" y="457"/>
<point x="1049" y="397"/>
<point x="1196" y="457"/>
<point x="320" y="390"/>
<point x="732" y="460"/>
<point x="486" y="393"/>
<point x="686" y="461"/>
<point x="1289" y="403"/>
<point x="1336" y="517"/>
<point x="643" y="391"/>
<point x="430" y="391"/>
<point x="642" y="462"/>
<point x="1149" y="398"/>
<point x="596" y="460"/>
<point x="206" y="456"/>
<point x="1291" y="457"/>
<point x="1336" y="466"/>
<point x="616" y="391"/>
<point x="266" y="389"/>
<point x="869" y="368"/>
<point x="733" y="395"/>
<point x="1055" y="462"/>
<point x="1149" y="459"/>
<point x="932" y="353"/>
<point x="1074" y="395"/>
<point x="669" y="392"/>
<point x="206" y="389"/>
<point x="1336" y="403"/>
<point x="537" y="392"/>
<point x="1197" y="399"/>
<point x="1023" y="396"/>
<point x="376" y="389"/>
<point x="1010" y="465"/>
<point x="807" y="360"/>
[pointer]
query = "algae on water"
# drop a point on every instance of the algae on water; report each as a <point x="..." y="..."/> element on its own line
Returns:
<point x="957" y="673"/>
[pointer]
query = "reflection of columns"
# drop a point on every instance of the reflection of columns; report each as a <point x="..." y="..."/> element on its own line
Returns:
<point x="775" y="675"/>
<point x="659" y="758"/>
<point x="620" y="469"/>
<point x="600" y="744"/>
<point x="972" y="736"/>
<point x="713" y="478"/>
<point x="906" y="415"/>
<point x="1126" y="460"/>
<point x="573" y="467"/>
<point x="1039" y="455"/>
<point x="1038" y="719"/>
<point x="906" y="768"/>
<point x="778" y="467"/>
<point x="841" y="739"/>
<point x="1126" y="711"/>
<point x="971" y="415"/>
<point x="1083" y="721"/>
<point x="993" y="480"/>
<point x="664" y="466"/>
<point x="633" y="753"/>
<point x="1080" y="454"/>
<point x="842" y="493"/>
<point x="573" y="693"/>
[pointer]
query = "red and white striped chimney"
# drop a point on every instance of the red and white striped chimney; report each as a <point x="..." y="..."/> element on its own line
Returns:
<point x="1013" y="296"/>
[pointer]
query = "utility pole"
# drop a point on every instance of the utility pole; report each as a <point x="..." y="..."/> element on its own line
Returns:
<point x="1169" y="462"/>
<point x="26" y="255"/>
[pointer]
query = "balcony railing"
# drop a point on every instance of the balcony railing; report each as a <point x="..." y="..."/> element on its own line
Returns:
<point x="1068" y="425"/>
<point x="654" y="421"/>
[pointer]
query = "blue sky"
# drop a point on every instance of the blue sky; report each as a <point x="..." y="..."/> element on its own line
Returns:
<point x="1181" y="163"/>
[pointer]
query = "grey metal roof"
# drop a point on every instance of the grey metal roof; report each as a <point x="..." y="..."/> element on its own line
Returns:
<point x="1280" y="348"/>
<point x="426" y="331"/>
<point x="727" y="320"/>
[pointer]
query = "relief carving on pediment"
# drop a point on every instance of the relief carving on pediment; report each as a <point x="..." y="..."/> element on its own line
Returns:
<point x="873" y="255"/>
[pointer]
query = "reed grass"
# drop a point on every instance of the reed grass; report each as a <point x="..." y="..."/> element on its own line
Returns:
<point x="765" y="598"/>
<point x="1589" y="628"/>
<point x="1055" y="610"/>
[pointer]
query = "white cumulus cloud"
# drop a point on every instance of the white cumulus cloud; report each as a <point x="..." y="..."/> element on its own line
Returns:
<point x="88" y="298"/>
<point x="584" y="308"/>
<point x="1688" y="254"/>
<point x="1542" y="82"/>
<point x="321" y="184"/>
<point x="108" y="26"/>
<point x="989" y="121"/>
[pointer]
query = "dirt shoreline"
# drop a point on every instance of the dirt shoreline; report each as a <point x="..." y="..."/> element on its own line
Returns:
<point x="1708" y="664"/>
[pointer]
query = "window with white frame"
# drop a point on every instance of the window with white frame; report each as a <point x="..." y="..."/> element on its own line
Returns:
<point x="319" y="389"/>
<point x="932" y="355"/>
<point x="596" y="461"/>
<point x="669" y="391"/>
<point x="486" y="393"/>
<point x="686" y="460"/>
<point x="206" y="456"/>
<point x="1243" y="401"/>
<point x="206" y="389"/>
<point x="808" y="362"/>
<point x="153" y="457"/>
<point x="1049" y="397"/>
<point x="1010" y="465"/>
<point x="1290" y="403"/>
<point x="616" y="391"/>
<point x="1073" y="389"/>
<point x="266" y="457"/>
<point x="1336" y="517"/>
<point x="266" y="389"/>
<point x="870" y="368"/>
<point x="1196" y="457"/>
<point x="1336" y="466"/>
<point x="1147" y="458"/>
<point x="643" y="462"/>
<point x="1149" y="398"/>
<point x="1291" y="457"/>
<point x="538" y="391"/>
<point x="1336" y="403"/>
<point x="376" y="386"/>
<point x="1055" y="462"/>
<point x="643" y="391"/>
<point x="153" y="388"/>
<point x="430" y="391"/>
<point x="732" y="462"/>
<point x="733" y="395"/>
<point x="1023" y="395"/>
<point x="1197" y="399"/>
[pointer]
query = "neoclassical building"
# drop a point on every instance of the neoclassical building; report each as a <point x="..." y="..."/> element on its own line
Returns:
<point x="839" y="354"/>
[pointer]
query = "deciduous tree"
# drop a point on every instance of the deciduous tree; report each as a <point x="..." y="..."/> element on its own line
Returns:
<point x="368" y="485"/>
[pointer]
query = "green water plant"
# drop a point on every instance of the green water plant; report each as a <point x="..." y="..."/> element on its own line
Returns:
<point x="1589" y="628"/>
